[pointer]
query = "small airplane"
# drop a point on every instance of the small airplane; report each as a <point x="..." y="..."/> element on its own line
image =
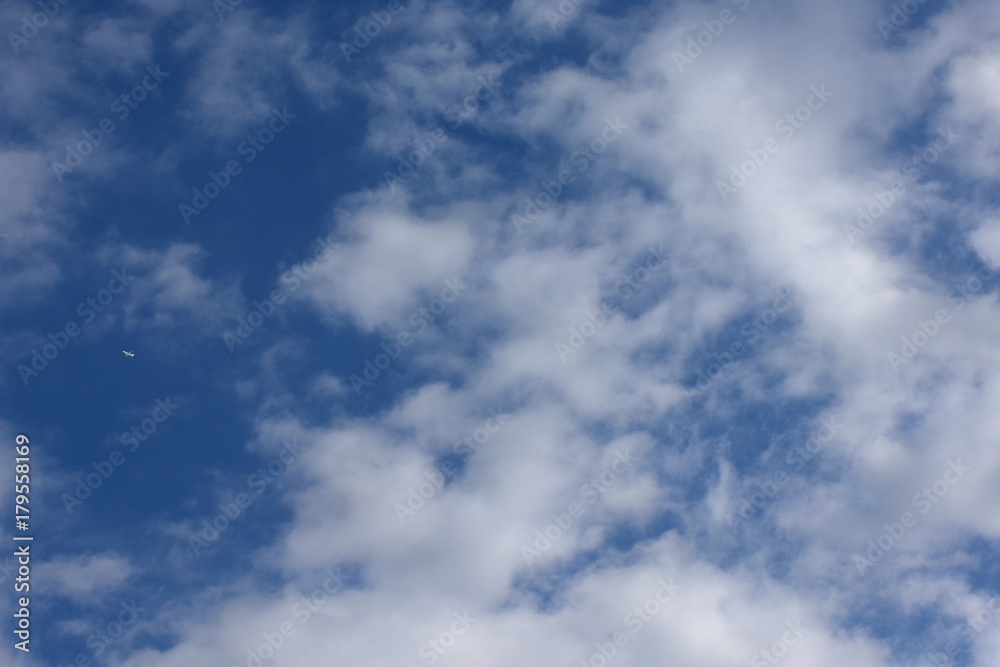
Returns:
<point x="128" y="354"/>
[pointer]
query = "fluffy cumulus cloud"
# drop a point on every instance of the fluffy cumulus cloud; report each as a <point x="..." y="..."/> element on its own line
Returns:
<point x="558" y="333"/>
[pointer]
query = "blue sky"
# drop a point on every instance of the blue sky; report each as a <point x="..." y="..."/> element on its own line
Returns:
<point x="503" y="333"/>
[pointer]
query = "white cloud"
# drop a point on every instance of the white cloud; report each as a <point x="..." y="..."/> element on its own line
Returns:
<point x="247" y="65"/>
<point x="391" y="264"/>
<point x="86" y="579"/>
<point x="169" y="291"/>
